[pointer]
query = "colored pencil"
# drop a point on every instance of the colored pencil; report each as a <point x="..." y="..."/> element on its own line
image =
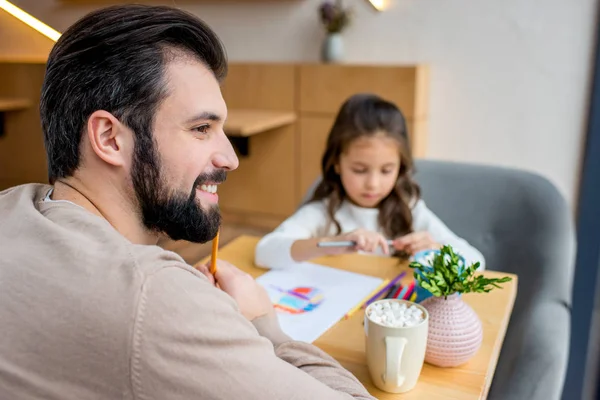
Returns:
<point x="389" y="293"/>
<point x="410" y="291"/>
<point x="402" y="292"/>
<point x="215" y="248"/>
<point x="362" y="302"/>
<point x="397" y="292"/>
<point x="387" y="287"/>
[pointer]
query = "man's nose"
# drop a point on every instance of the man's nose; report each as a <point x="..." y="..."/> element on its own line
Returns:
<point x="225" y="157"/>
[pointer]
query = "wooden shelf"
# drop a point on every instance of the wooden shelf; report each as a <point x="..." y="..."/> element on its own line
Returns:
<point x="241" y="124"/>
<point x="13" y="104"/>
<point x="23" y="59"/>
<point x="250" y="122"/>
<point x="8" y="104"/>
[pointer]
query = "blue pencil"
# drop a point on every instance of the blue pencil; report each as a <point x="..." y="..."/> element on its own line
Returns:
<point x="402" y="293"/>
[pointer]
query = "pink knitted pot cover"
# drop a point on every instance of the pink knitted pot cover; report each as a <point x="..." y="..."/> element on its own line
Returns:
<point x="455" y="331"/>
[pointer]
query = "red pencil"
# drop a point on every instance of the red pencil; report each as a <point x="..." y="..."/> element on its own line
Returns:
<point x="396" y="292"/>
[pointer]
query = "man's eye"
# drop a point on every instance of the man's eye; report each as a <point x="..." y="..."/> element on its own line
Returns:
<point x="202" y="128"/>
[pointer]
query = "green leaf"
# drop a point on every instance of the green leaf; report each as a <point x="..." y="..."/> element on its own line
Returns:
<point x="445" y="277"/>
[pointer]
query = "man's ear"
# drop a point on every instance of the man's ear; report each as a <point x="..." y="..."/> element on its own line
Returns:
<point x="336" y="168"/>
<point x="107" y="138"/>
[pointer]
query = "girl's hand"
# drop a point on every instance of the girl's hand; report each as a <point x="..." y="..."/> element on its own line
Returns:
<point x="365" y="241"/>
<point x="416" y="242"/>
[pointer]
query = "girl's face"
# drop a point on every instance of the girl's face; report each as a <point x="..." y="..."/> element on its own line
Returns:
<point x="369" y="168"/>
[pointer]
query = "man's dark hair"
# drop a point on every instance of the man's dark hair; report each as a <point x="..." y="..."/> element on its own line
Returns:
<point x="114" y="59"/>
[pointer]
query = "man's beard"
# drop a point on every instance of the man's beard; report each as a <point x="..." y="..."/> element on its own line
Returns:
<point x="174" y="213"/>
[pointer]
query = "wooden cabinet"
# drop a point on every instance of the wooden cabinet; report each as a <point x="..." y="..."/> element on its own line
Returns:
<point x="22" y="152"/>
<point x="264" y="183"/>
<point x="260" y="86"/>
<point x="23" y="54"/>
<point x="313" y="131"/>
<point x="323" y="88"/>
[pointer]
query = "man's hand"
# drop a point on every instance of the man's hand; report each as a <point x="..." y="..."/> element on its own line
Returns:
<point x="205" y="270"/>
<point x="252" y="299"/>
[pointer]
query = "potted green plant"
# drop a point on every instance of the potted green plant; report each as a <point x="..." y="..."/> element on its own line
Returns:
<point x="335" y="18"/>
<point x="455" y="330"/>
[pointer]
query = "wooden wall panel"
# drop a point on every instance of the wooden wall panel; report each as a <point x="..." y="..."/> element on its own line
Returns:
<point x="260" y="86"/>
<point x="20" y="43"/>
<point x="418" y="133"/>
<point x="323" y="88"/>
<point x="422" y="79"/>
<point x="22" y="152"/>
<point x="313" y="132"/>
<point x="254" y="220"/>
<point x="264" y="182"/>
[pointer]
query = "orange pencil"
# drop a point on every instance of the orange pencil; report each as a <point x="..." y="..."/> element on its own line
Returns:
<point x="213" y="260"/>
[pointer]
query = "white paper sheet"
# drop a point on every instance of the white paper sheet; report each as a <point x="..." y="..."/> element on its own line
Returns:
<point x="311" y="298"/>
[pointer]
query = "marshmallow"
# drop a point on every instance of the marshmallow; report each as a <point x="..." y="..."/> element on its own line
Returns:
<point x="395" y="314"/>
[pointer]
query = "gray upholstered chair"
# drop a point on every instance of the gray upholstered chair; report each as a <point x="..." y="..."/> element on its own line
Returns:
<point x="522" y="225"/>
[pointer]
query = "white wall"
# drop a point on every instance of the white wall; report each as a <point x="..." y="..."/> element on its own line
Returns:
<point x="509" y="78"/>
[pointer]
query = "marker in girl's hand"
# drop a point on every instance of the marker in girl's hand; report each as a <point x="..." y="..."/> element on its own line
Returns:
<point x="344" y="243"/>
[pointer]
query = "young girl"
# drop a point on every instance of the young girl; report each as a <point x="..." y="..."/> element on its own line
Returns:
<point x="367" y="195"/>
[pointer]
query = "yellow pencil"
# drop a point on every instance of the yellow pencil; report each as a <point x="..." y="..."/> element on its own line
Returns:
<point x="413" y="297"/>
<point x="213" y="260"/>
<point x="363" y="301"/>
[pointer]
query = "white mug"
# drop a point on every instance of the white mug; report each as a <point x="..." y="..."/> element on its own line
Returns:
<point x="395" y="354"/>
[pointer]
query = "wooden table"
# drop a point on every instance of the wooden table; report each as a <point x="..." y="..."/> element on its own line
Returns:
<point x="346" y="343"/>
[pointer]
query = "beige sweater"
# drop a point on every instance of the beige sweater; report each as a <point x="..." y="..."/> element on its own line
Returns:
<point x="85" y="314"/>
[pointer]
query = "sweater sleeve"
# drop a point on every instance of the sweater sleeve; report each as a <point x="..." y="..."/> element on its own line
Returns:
<point x="425" y="220"/>
<point x="191" y="342"/>
<point x="274" y="249"/>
